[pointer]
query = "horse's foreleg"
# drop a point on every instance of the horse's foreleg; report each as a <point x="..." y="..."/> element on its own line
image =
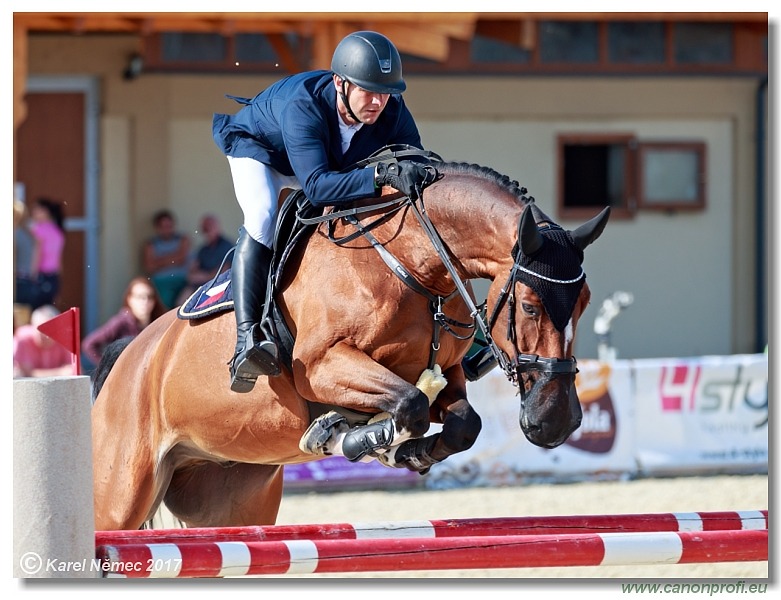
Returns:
<point x="347" y="377"/>
<point x="460" y="428"/>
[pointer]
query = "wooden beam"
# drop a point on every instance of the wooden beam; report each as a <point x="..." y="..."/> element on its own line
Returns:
<point x="420" y="41"/>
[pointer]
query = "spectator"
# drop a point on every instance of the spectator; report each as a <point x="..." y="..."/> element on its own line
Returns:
<point x="209" y="258"/>
<point x="165" y="258"/>
<point x="140" y="306"/>
<point x="26" y="251"/>
<point x="36" y="354"/>
<point x="49" y="230"/>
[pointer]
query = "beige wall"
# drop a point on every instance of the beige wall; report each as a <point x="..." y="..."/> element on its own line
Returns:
<point x="692" y="275"/>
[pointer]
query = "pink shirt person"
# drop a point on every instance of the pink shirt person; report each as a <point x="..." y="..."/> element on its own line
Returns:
<point x="36" y="354"/>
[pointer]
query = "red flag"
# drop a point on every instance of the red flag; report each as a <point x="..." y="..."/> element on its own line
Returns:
<point x="64" y="329"/>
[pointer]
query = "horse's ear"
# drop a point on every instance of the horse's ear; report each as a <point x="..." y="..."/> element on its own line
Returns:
<point x="529" y="237"/>
<point x="591" y="230"/>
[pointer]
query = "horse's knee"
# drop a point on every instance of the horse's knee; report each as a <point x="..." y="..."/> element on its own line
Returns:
<point x="411" y="414"/>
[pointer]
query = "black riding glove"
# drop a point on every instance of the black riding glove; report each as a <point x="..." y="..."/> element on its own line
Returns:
<point x="406" y="176"/>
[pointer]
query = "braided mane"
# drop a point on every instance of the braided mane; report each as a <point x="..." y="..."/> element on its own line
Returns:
<point x="503" y="181"/>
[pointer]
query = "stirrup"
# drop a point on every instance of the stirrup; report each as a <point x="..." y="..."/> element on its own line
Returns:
<point x="320" y="431"/>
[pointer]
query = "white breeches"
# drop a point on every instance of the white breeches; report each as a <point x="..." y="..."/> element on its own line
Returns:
<point x="257" y="187"/>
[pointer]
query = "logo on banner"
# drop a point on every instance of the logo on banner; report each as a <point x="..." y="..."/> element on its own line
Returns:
<point x="678" y="387"/>
<point x="597" y="431"/>
<point x="713" y="393"/>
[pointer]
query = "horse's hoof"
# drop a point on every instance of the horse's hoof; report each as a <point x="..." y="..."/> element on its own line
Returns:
<point x="319" y="432"/>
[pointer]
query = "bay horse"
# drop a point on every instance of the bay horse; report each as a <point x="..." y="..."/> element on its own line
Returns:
<point x="167" y="427"/>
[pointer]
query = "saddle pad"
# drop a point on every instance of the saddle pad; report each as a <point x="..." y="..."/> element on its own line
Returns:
<point x="212" y="297"/>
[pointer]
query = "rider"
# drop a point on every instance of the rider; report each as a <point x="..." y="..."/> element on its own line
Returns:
<point x="300" y="133"/>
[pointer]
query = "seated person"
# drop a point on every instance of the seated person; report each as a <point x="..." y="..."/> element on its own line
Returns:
<point x="209" y="258"/>
<point x="36" y="354"/>
<point x="165" y="258"/>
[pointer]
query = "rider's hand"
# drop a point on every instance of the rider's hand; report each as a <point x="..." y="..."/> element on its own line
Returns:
<point x="406" y="176"/>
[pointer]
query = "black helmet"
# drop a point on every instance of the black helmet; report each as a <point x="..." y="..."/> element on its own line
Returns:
<point x="369" y="60"/>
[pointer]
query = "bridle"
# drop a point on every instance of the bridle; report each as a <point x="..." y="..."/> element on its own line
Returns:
<point x="525" y="363"/>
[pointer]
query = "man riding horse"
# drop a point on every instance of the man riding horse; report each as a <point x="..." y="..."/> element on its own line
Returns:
<point x="299" y="134"/>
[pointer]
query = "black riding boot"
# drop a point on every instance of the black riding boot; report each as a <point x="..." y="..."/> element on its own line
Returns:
<point x="249" y="276"/>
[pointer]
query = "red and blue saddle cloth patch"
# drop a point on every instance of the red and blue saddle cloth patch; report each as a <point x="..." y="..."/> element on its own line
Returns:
<point x="212" y="297"/>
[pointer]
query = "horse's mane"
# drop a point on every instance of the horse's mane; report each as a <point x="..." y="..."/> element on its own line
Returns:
<point x="110" y="355"/>
<point x="503" y="181"/>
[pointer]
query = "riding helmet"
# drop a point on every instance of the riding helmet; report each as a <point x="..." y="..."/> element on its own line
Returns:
<point x="369" y="60"/>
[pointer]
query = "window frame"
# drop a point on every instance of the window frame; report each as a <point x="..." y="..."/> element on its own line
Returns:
<point x="700" y="151"/>
<point x="634" y="199"/>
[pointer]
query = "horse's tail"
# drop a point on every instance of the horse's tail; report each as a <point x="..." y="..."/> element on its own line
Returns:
<point x="110" y="356"/>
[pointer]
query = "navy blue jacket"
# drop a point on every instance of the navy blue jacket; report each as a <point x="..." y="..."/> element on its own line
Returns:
<point x="292" y="127"/>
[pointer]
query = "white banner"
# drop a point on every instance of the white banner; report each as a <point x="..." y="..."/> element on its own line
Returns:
<point x="705" y="414"/>
<point x="602" y="446"/>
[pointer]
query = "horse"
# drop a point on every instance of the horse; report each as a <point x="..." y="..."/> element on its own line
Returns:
<point x="372" y="297"/>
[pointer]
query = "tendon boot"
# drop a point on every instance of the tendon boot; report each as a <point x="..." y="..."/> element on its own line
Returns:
<point x="367" y="440"/>
<point x="254" y="355"/>
<point x="324" y="429"/>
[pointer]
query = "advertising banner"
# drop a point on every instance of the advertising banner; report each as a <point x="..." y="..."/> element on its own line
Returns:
<point x="602" y="446"/>
<point x="702" y="414"/>
<point x="665" y="416"/>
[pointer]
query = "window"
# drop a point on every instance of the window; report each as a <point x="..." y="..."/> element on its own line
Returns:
<point x="569" y="41"/>
<point x="703" y="43"/>
<point x="628" y="175"/>
<point x="595" y="171"/>
<point x="636" y="43"/>
<point x="672" y="176"/>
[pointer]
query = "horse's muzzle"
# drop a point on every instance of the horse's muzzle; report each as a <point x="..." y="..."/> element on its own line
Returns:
<point x="550" y="408"/>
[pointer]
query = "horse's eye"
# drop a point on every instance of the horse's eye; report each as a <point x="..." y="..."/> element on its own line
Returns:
<point x="531" y="310"/>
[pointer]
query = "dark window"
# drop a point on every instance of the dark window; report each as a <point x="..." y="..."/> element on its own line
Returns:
<point x="193" y="47"/>
<point x="569" y="41"/>
<point x="254" y="47"/>
<point x="636" y="42"/>
<point x="703" y="43"/>
<point x="596" y="172"/>
<point x="488" y="50"/>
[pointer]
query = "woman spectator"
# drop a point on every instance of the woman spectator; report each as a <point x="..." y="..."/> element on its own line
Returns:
<point x="141" y="306"/>
<point x="49" y="230"/>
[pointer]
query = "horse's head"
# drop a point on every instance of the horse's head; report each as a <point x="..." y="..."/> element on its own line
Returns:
<point x="540" y="305"/>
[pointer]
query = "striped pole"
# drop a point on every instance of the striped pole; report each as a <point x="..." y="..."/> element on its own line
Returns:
<point x="690" y="521"/>
<point x="223" y="559"/>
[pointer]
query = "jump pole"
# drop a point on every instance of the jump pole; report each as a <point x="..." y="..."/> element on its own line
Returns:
<point x="224" y="559"/>
<point x="54" y="524"/>
<point x="680" y="521"/>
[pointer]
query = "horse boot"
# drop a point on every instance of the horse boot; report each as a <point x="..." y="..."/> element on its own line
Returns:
<point x="330" y="434"/>
<point x="254" y="355"/>
<point x="368" y="440"/>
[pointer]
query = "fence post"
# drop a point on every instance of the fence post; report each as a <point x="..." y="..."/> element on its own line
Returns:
<point x="54" y="523"/>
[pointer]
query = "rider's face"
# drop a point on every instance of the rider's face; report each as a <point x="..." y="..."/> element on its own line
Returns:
<point x="366" y="105"/>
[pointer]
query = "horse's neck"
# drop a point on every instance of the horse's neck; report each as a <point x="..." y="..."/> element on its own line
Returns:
<point x="478" y="233"/>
